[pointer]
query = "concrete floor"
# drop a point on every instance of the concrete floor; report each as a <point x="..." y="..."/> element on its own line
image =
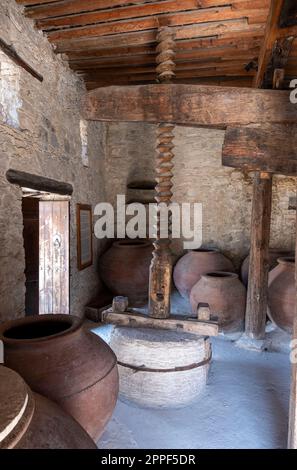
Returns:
<point x="245" y="404"/>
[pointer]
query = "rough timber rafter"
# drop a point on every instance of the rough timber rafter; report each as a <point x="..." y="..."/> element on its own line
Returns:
<point x="274" y="38"/>
<point x="117" y="28"/>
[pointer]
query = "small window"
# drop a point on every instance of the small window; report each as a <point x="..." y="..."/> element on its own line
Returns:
<point x="10" y="101"/>
<point x="84" y="142"/>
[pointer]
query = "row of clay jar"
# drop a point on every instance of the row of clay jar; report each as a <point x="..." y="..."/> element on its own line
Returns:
<point x="58" y="385"/>
<point x="207" y="277"/>
<point x="124" y="268"/>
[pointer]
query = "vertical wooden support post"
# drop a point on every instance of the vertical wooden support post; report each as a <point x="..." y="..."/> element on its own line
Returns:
<point x="161" y="266"/>
<point x="292" y="436"/>
<point x="256" y="308"/>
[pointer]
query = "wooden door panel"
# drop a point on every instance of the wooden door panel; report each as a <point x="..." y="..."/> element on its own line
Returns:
<point x="53" y="257"/>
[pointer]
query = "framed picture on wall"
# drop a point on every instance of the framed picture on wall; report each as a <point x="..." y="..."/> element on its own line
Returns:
<point x="84" y="236"/>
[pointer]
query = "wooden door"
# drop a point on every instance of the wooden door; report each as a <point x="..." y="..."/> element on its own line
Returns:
<point x="53" y="257"/>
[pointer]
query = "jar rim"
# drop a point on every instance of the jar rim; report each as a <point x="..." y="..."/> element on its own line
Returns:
<point x="217" y="275"/>
<point x="25" y="330"/>
<point x="131" y="243"/>
<point x="288" y="260"/>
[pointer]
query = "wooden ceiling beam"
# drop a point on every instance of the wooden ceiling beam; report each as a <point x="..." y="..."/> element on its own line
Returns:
<point x="271" y="46"/>
<point x="216" y="107"/>
<point x="182" y="77"/>
<point x="71" y="7"/>
<point x="233" y="81"/>
<point x="153" y="9"/>
<point x="208" y="19"/>
<point x="228" y="29"/>
<point x="194" y="66"/>
<point x="182" y="49"/>
<point x="244" y="44"/>
<point x="149" y="59"/>
<point x="32" y="2"/>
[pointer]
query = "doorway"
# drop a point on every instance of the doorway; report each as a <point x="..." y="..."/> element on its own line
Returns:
<point x="46" y="244"/>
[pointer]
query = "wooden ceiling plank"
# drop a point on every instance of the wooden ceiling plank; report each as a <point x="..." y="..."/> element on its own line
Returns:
<point x="219" y="55"/>
<point x="235" y="81"/>
<point x="193" y="65"/>
<point x="70" y="7"/>
<point x="33" y="2"/>
<point x="147" y="39"/>
<point x="184" y="74"/>
<point x="200" y="17"/>
<point x="181" y="47"/>
<point x="149" y="9"/>
<point x="201" y="30"/>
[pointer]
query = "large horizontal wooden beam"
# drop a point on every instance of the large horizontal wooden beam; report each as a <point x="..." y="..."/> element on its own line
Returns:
<point x="192" y="105"/>
<point x="265" y="148"/>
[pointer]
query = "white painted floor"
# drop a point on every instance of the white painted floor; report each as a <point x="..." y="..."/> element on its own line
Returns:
<point x="245" y="405"/>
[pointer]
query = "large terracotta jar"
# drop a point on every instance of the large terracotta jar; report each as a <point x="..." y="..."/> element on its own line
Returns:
<point x="225" y="296"/>
<point x="274" y="254"/>
<point x="124" y="268"/>
<point x="62" y="360"/>
<point x="189" y="268"/>
<point x="281" y="294"/>
<point x="31" y="421"/>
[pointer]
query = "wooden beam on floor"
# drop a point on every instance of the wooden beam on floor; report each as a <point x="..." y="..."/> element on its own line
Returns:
<point x="173" y="323"/>
<point x="192" y="105"/>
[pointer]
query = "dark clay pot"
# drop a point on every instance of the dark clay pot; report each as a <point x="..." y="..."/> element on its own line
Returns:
<point x="63" y="361"/>
<point x="191" y="266"/>
<point x="281" y="294"/>
<point x="274" y="254"/>
<point x="31" y="421"/>
<point x="226" y="297"/>
<point x="124" y="268"/>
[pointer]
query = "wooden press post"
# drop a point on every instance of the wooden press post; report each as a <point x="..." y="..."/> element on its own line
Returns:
<point x="161" y="266"/>
<point x="256" y="308"/>
<point x="292" y="436"/>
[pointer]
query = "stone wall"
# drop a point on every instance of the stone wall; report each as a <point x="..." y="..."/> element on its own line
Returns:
<point x="199" y="177"/>
<point x="44" y="140"/>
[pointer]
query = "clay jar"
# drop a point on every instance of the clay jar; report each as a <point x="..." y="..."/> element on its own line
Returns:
<point x="189" y="268"/>
<point x="226" y="297"/>
<point x="124" y="268"/>
<point x="281" y="293"/>
<point x="273" y="255"/>
<point x="60" y="359"/>
<point x="30" y="421"/>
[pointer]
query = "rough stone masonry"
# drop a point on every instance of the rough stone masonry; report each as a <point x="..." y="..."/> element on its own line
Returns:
<point x="45" y="141"/>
